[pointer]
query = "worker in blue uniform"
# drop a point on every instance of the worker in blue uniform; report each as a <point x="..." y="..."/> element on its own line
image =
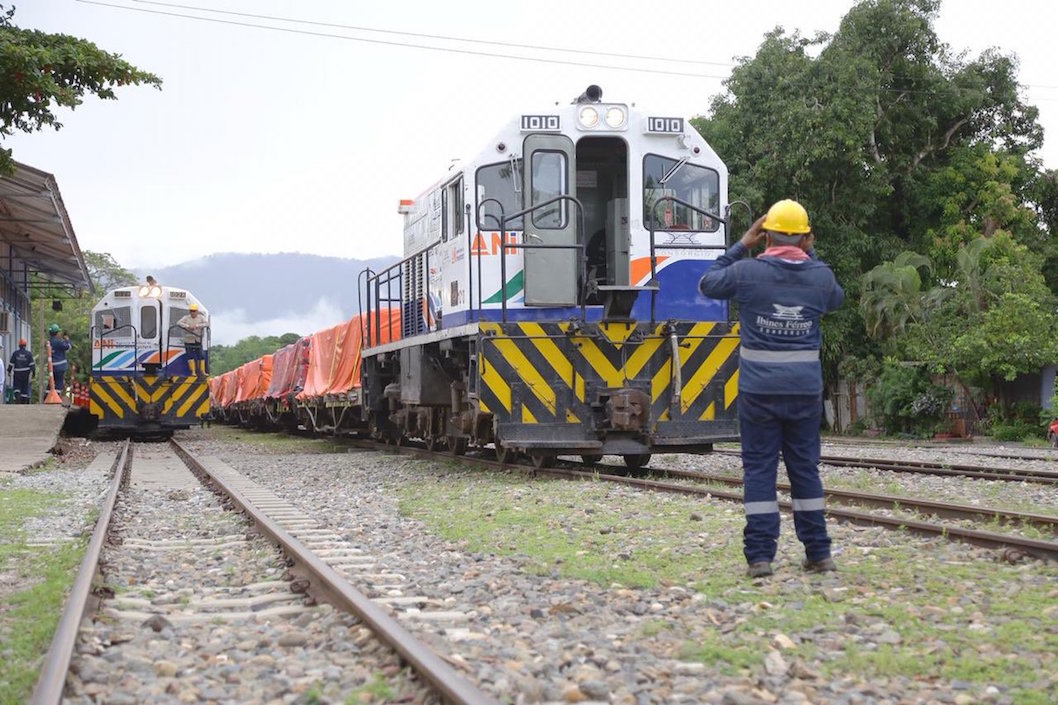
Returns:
<point x="22" y="368"/>
<point x="60" y="345"/>
<point x="782" y="294"/>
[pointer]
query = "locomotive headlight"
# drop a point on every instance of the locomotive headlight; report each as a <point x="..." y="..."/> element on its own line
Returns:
<point x="589" y="116"/>
<point x="145" y="290"/>
<point x="615" y="117"/>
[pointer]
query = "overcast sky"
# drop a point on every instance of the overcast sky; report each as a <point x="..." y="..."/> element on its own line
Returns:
<point x="279" y="141"/>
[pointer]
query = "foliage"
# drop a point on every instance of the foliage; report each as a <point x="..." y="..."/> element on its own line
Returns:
<point x="991" y="318"/>
<point x="860" y="369"/>
<point x="1018" y="422"/>
<point x="904" y="400"/>
<point x="224" y="358"/>
<point x="891" y="142"/>
<point x="39" y="71"/>
<point x="892" y="294"/>
<point x="75" y="316"/>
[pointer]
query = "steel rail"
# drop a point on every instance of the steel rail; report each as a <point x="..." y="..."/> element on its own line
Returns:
<point x="326" y="581"/>
<point x="52" y="679"/>
<point x="883" y="501"/>
<point x="1047" y="550"/>
<point x="1043" y="477"/>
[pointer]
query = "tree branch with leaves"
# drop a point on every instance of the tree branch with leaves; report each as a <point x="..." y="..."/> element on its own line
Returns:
<point x="41" y="72"/>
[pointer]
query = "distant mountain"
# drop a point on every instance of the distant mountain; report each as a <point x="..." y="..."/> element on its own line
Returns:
<point x="257" y="294"/>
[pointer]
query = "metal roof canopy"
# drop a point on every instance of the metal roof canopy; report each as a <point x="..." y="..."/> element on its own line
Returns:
<point x="34" y="221"/>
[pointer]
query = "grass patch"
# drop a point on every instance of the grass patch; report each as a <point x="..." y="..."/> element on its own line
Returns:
<point x="28" y="623"/>
<point x="557" y="526"/>
<point x="928" y="611"/>
<point x="28" y="617"/>
<point x="377" y="688"/>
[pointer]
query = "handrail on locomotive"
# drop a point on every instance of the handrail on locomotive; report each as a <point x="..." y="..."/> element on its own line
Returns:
<point x="654" y="247"/>
<point x="206" y="340"/>
<point x="579" y="245"/>
<point x="112" y="331"/>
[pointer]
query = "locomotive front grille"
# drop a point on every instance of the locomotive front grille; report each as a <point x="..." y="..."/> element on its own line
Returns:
<point x="122" y="400"/>
<point x="569" y="381"/>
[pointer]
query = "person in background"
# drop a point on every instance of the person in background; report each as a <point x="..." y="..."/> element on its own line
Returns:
<point x="193" y="324"/>
<point x="3" y="376"/>
<point x="782" y="294"/>
<point x="22" y="368"/>
<point x="60" y="345"/>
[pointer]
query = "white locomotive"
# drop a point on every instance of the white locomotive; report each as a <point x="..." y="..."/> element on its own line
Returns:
<point x="548" y="294"/>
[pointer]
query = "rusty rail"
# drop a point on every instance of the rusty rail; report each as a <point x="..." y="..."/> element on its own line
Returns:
<point x="52" y="679"/>
<point x="454" y="687"/>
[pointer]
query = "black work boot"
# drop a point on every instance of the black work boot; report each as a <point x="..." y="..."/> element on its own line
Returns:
<point x="823" y="565"/>
<point x="759" y="569"/>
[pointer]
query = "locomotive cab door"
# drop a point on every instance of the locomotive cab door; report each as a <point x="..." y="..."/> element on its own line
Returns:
<point x="549" y="171"/>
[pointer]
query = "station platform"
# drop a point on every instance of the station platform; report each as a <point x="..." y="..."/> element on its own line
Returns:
<point x="28" y="432"/>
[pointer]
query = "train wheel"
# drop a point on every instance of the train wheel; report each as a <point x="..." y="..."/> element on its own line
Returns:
<point x="457" y="445"/>
<point x="541" y="459"/>
<point x="433" y="443"/>
<point x="591" y="458"/>
<point x="637" y="461"/>
<point x="505" y="455"/>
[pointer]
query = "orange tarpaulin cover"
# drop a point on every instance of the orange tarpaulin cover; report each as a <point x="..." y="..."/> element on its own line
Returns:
<point x="231" y="388"/>
<point x="253" y="379"/>
<point x="264" y="377"/>
<point x="284" y="368"/>
<point x="335" y="354"/>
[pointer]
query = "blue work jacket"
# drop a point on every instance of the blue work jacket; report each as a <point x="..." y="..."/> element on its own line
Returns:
<point x="780" y="304"/>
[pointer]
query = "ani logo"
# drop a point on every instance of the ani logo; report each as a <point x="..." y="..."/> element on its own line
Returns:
<point x="788" y="313"/>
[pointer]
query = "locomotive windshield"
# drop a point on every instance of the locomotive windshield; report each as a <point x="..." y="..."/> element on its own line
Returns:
<point x="697" y="185"/>
<point x="113" y="319"/>
<point x="502" y="182"/>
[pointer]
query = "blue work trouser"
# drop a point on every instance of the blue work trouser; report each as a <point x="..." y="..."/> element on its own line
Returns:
<point x="788" y="423"/>
<point x="20" y="382"/>
<point x="58" y="370"/>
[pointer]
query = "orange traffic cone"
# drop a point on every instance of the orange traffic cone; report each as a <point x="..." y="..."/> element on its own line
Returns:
<point x="53" y="396"/>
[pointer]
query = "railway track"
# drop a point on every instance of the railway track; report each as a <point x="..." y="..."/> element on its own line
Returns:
<point x="1012" y="544"/>
<point x="239" y="582"/>
<point x="1043" y="477"/>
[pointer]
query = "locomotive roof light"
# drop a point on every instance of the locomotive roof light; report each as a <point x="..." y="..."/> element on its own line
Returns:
<point x="154" y="292"/>
<point x="589" y="117"/>
<point x="602" y="117"/>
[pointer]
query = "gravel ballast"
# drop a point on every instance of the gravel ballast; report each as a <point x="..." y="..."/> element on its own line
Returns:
<point x="905" y="620"/>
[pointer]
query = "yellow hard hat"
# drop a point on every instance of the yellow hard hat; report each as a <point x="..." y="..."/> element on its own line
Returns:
<point x="193" y="307"/>
<point x="787" y="216"/>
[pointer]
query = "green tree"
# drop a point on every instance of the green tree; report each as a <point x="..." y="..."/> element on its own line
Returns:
<point x="224" y="358"/>
<point x="875" y="129"/>
<point x="75" y="317"/>
<point x="992" y="320"/>
<point x="40" y="71"/>
<point x="892" y="294"/>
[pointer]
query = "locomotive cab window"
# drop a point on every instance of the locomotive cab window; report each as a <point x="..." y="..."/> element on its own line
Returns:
<point x="114" y="319"/>
<point x="697" y="185"/>
<point x="148" y="322"/>
<point x="549" y="181"/>
<point x="452" y="209"/>
<point x="501" y="182"/>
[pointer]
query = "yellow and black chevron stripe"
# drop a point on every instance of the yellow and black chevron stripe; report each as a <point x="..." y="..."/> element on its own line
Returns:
<point x="553" y="374"/>
<point x="126" y="401"/>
